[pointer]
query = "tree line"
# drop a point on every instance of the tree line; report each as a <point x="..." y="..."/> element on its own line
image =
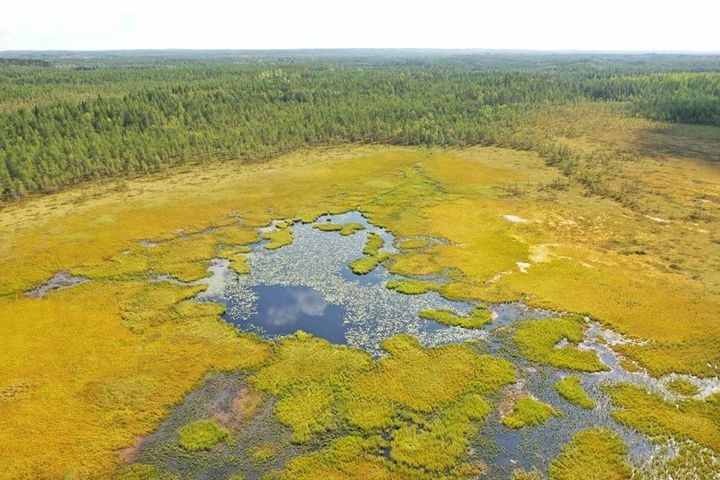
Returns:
<point x="64" y="125"/>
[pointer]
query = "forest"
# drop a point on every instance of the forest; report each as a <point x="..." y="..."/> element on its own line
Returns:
<point x="69" y="119"/>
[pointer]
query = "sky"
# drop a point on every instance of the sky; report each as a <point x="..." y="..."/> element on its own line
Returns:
<point x="607" y="25"/>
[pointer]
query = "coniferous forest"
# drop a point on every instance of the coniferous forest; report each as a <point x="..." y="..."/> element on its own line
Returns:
<point x="69" y="119"/>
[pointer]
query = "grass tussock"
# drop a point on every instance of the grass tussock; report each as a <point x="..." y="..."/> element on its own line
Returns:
<point x="538" y="339"/>
<point x="651" y="414"/>
<point x="478" y="317"/>
<point x="570" y="389"/>
<point x="202" y="435"/>
<point x="529" y="411"/>
<point x="597" y="453"/>
<point x="412" y="287"/>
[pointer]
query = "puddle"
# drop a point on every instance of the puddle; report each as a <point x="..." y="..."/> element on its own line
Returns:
<point x="60" y="280"/>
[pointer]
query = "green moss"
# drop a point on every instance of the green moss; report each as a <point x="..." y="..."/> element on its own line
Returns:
<point x="537" y="340"/>
<point x="529" y="411"/>
<point x="571" y="390"/>
<point x="278" y="238"/>
<point x="682" y="386"/>
<point x="650" y="413"/>
<point x="328" y="227"/>
<point x="367" y="413"/>
<point x="307" y="410"/>
<point x="239" y="264"/>
<point x="373" y="245"/>
<point x="478" y="318"/>
<point x="202" y="435"/>
<point x="365" y="265"/>
<point x="520" y="474"/>
<point x="264" y="452"/>
<point x="411" y="287"/>
<point x="592" y="454"/>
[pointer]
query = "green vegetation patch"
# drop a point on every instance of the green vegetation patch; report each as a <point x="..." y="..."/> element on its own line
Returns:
<point x="597" y="453"/>
<point x="279" y="238"/>
<point x="373" y="245"/>
<point x="529" y="411"/>
<point x="439" y="444"/>
<point x="365" y="265"/>
<point x="202" y="435"/>
<point x="412" y="287"/>
<point x="538" y="341"/>
<point x="650" y="413"/>
<point x="413" y="243"/>
<point x="307" y="410"/>
<point x="682" y="386"/>
<point x="344" y="229"/>
<point x="570" y="389"/>
<point x="478" y="318"/>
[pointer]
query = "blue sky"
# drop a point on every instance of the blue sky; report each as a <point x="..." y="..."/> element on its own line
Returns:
<point x="688" y="25"/>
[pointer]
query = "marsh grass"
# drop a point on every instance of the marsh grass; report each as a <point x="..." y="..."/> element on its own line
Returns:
<point x="202" y="435"/>
<point x="412" y="287"/>
<point x="651" y="414"/>
<point x="344" y="229"/>
<point x="478" y="317"/>
<point x="278" y="238"/>
<point x="597" y="453"/>
<point x="570" y="389"/>
<point x="682" y="386"/>
<point x="538" y="341"/>
<point x="529" y="411"/>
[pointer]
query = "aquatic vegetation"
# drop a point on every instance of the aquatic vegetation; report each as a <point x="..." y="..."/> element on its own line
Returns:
<point x="538" y="341"/>
<point x="520" y="474"/>
<point x="571" y="390"/>
<point x="412" y="287"/>
<point x="307" y="410"/>
<point x="681" y="460"/>
<point x="529" y="411"/>
<point x="264" y="452"/>
<point x="700" y="358"/>
<point x="682" y="386"/>
<point x="202" y="435"/>
<point x="344" y="229"/>
<point x="279" y="238"/>
<point x="597" y="453"/>
<point x="478" y="317"/>
<point x="650" y="413"/>
<point x="373" y="245"/>
<point x="365" y="265"/>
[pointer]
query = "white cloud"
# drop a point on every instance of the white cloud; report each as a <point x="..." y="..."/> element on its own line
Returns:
<point x="521" y="24"/>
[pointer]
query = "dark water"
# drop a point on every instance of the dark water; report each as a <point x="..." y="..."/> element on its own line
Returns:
<point x="283" y="310"/>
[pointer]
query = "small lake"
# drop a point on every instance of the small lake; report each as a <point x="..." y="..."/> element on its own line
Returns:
<point x="282" y="310"/>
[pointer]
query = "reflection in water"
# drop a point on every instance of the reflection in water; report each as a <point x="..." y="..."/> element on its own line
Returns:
<point x="282" y="310"/>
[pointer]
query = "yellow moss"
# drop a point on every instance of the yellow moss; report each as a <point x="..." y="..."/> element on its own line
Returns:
<point x="344" y="229"/>
<point x="538" y="340"/>
<point x="413" y="243"/>
<point x="367" y="413"/>
<point x="529" y="411"/>
<point x="597" y="453"/>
